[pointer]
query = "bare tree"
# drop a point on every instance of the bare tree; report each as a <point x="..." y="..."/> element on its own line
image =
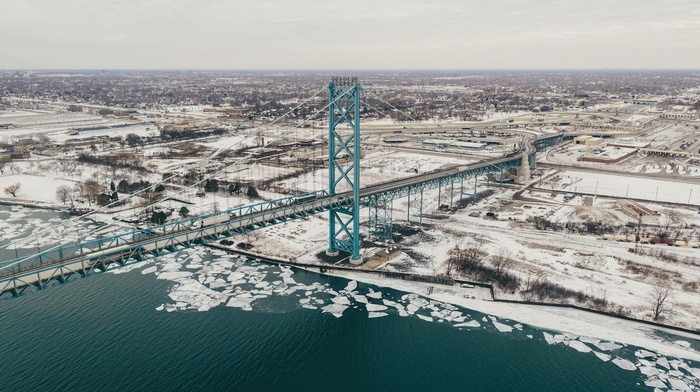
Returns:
<point x="92" y="189"/>
<point x="79" y="189"/>
<point x="64" y="193"/>
<point x="659" y="301"/>
<point x="454" y="258"/>
<point x="13" y="189"/>
<point x="502" y="262"/>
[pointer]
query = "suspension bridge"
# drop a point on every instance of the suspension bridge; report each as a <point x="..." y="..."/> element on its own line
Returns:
<point x="343" y="200"/>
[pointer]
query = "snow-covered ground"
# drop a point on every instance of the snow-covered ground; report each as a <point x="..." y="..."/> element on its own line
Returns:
<point x="603" y="184"/>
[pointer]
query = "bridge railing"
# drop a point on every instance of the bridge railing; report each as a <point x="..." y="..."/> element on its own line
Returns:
<point x="71" y="251"/>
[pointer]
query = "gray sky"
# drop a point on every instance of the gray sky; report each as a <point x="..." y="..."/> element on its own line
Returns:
<point x="353" y="34"/>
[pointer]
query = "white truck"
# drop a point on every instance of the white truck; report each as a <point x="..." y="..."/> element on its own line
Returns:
<point x="211" y="220"/>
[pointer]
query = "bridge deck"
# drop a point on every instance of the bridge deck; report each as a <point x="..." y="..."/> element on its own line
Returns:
<point x="57" y="265"/>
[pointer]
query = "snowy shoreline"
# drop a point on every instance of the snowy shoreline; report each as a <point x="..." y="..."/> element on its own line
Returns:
<point x="581" y="322"/>
<point x="566" y="320"/>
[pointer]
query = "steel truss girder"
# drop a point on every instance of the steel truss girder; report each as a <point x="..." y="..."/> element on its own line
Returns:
<point x="441" y="182"/>
<point x="53" y="256"/>
<point x="17" y="282"/>
<point x="413" y="198"/>
<point x="380" y="216"/>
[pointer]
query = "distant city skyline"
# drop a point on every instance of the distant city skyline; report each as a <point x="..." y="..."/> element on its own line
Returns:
<point x="371" y="35"/>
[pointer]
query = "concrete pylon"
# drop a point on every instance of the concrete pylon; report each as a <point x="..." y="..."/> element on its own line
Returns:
<point x="523" y="171"/>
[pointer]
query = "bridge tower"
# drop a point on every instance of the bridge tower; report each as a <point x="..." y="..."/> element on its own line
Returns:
<point x="344" y="166"/>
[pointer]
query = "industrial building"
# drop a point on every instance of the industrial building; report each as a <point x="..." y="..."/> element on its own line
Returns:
<point x="588" y="140"/>
<point x="638" y="212"/>
<point x="452" y="144"/>
<point x="609" y="155"/>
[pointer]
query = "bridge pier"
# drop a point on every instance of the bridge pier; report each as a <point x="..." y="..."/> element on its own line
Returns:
<point x="523" y="172"/>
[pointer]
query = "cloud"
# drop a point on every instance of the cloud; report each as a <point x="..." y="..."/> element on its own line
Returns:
<point x="334" y="34"/>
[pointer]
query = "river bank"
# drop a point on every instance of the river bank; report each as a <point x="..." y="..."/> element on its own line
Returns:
<point x="666" y="340"/>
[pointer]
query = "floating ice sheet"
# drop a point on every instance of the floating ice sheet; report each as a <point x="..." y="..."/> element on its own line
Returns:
<point x="502" y="327"/>
<point x="335" y="309"/>
<point x="624" y="364"/>
<point x="579" y="346"/>
<point x="375" y="308"/>
<point x="469" y="324"/>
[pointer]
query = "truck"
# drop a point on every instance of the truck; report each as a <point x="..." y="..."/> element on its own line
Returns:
<point x="303" y="199"/>
<point x="211" y="220"/>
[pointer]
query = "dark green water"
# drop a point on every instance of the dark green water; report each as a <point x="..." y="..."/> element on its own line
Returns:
<point x="105" y="334"/>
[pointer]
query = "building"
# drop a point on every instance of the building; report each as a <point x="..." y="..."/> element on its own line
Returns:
<point x="582" y="139"/>
<point x="609" y="155"/>
<point x="452" y="144"/>
<point x="386" y="254"/>
<point x="640" y="213"/>
<point x="679" y="115"/>
<point x="15" y="155"/>
<point x="628" y="144"/>
<point x="395" y="139"/>
<point x="594" y="141"/>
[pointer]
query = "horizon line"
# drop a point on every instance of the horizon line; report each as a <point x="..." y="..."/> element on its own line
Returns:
<point x="350" y="69"/>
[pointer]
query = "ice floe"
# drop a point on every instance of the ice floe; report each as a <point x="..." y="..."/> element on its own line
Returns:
<point x="679" y="385"/>
<point x="602" y="356"/>
<point x="624" y="364"/>
<point x="425" y="318"/>
<point x="655" y="383"/>
<point x="549" y="338"/>
<point x="335" y="309"/>
<point x="352" y="285"/>
<point x="644" y="354"/>
<point x="149" y="270"/>
<point x="469" y="324"/>
<point x="607" y="346"/>
<point x="502" y="327"/>
<point x="663" y="362"/>
<point x="375" y="308"/>
<point x="374" y="294"/>
<point x="579" y="346"/>
<point x="241" y="302"/>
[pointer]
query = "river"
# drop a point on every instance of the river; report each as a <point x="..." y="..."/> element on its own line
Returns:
<point x="200" y="320"/>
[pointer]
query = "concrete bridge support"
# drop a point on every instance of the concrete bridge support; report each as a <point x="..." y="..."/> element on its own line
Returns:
<point x="523" y="172"/>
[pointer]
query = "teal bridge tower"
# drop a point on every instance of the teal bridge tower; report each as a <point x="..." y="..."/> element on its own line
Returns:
<point x="344" y="166"/>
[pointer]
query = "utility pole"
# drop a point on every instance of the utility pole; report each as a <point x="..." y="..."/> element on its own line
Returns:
<point x="636" y="245"/>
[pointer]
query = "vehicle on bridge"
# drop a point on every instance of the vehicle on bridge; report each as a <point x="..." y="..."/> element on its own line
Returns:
<point x="303" y="199"/>
<point x="211" y="220"/>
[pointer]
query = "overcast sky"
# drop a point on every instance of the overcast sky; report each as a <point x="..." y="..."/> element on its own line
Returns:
<point x="353" y="34"/>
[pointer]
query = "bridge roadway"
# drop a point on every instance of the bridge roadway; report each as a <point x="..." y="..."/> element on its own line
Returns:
<point x="18" y="275"/>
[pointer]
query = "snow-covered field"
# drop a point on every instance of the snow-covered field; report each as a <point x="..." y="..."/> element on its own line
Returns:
<point x="627" y="186"/>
